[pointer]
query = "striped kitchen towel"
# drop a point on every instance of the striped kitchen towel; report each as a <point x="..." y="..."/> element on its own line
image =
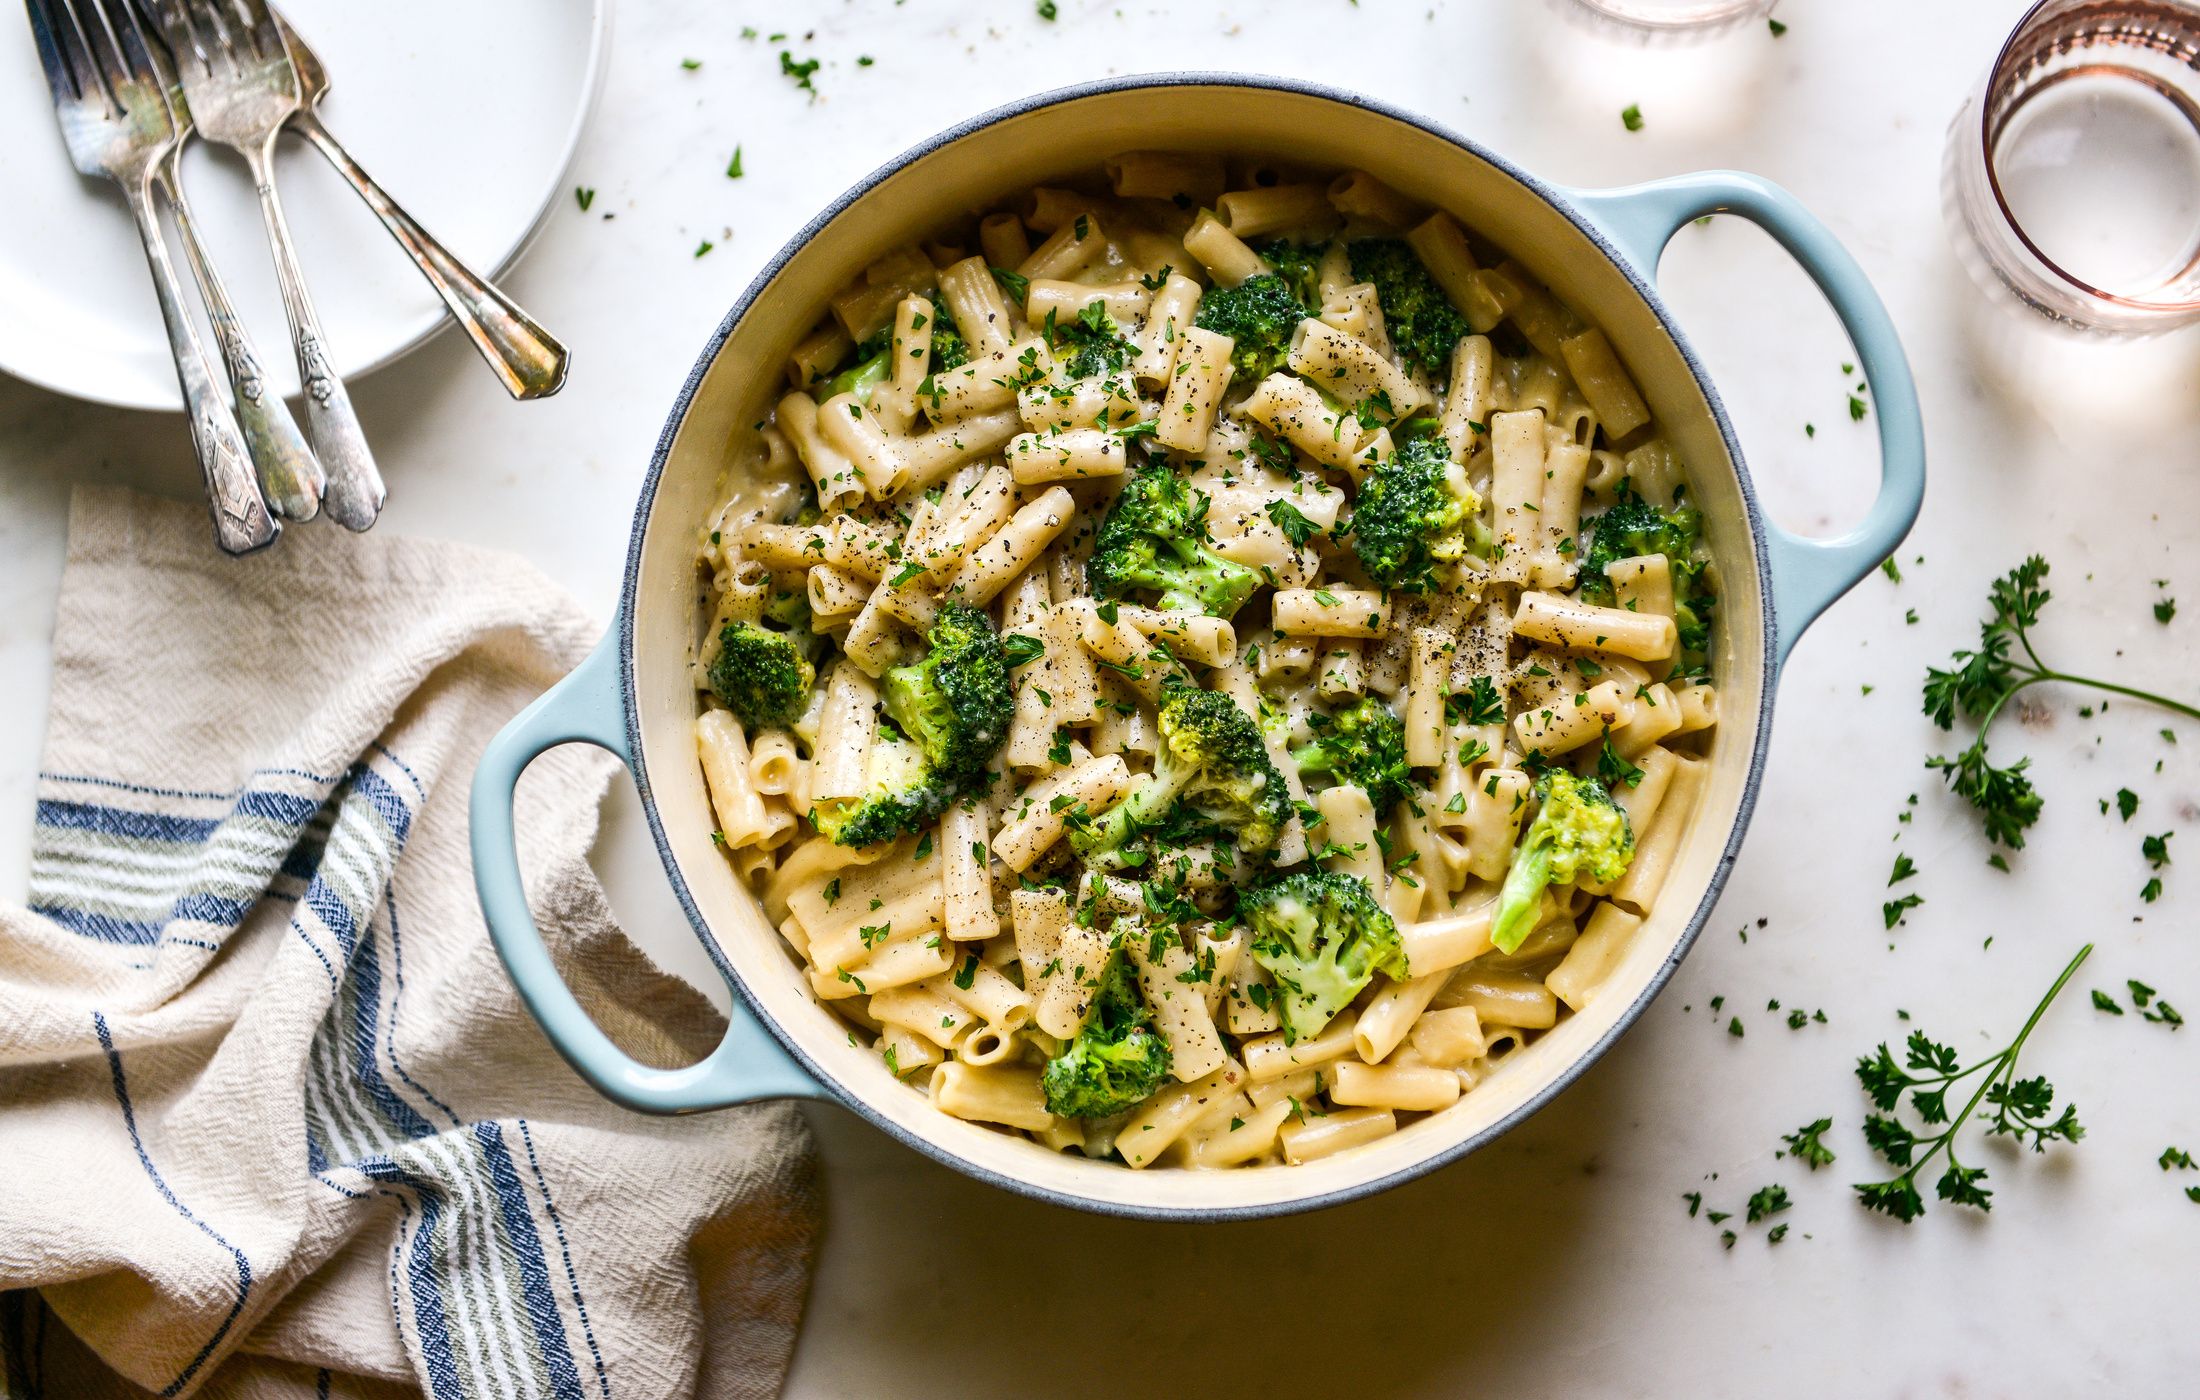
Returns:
<point x="272" y="1120"/>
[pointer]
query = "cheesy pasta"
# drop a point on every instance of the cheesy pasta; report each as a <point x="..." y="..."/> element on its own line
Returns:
<point x="1204" y="662"/>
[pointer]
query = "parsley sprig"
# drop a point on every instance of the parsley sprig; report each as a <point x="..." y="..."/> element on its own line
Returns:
<point x="1929" y="1070"/>
<point x="1980" y="683"/>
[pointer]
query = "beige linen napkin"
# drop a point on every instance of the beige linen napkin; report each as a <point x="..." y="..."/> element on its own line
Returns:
<point x="272" y="1120"/>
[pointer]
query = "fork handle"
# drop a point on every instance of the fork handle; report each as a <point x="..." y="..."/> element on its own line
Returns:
<point x="354" y="494"/>
<point x="242" y="523"/>
<point x="290" y="477"/>
<point x="530" y="362"/>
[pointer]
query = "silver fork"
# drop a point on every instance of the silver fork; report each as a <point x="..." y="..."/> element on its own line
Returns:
<point x="119" y="127"/>
<point x="290" y="476"/>
<point x="241" y="86"/>
<point x="531" y="363"/>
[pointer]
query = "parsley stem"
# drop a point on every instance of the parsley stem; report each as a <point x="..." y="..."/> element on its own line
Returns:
<point x="2150" y="697"/>
<point x="2007" y="1061"/>
<point x="2041" y="671"/>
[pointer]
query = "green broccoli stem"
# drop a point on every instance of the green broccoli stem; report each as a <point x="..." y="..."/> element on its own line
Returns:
<point x="1520" y="897"/>
<point x="859" y="379"/>
<point x="1147" y="804"/>
<point x="2007" y="1060"/>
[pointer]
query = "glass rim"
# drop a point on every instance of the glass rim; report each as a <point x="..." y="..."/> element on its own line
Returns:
<point x="2008" y="216"/>
<point x="1709" y="13"/>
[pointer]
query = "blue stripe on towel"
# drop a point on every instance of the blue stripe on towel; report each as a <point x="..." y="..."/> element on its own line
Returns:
<point x="192" y="794"/>
<point x="285" y="808"/>
<point x="366" y="976"/>
<point x="565" y="1252"/>
<point x="377" y="790"/>
<point x="244" y="1265"/>
<point x="430" y="1320"/>
<point x="123" y="822"/>
<point x="534" y="1277"/>
<point x="104" y="927"/>
<point x="197" y="908"/>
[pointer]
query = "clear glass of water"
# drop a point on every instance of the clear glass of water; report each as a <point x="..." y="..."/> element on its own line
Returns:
<point x="2072" y="175"/>
<point x="1654" y="20"/>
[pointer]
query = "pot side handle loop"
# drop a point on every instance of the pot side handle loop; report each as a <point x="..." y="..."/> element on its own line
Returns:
<point x="1807" y="574"/>
<point x="748" y="1063"/>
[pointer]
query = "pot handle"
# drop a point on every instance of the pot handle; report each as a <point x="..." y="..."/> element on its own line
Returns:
<point x="1807" y="574"/>
<point x="748" y="1064"/>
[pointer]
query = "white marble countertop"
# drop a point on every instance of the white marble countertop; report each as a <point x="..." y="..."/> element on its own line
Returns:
<point x="1562" y="1260"/>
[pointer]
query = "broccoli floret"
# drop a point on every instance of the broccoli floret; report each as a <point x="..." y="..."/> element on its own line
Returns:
<point x="1578" y="830"/>
<point x="1424" y="326"/>
<point x="1213" y="760"/>
<point x="1095" y="343"/>
<point x="954" y="707"/>
<point x="763" y="675"/>
<point x="1298" y="264"/>
<point x="955" y="704"/>
<point x="1415" y="511"/>
<point x="1259" y="315"/>
<point x="1322" y="937"/>
<point x="1635" y="527"/>
<point x="1364" y="744"/>
<point x="949" y="349"/>
<point x="1154" y="538"/>
<point x="904" y="796"/>
<point x="1116" y="1061"/>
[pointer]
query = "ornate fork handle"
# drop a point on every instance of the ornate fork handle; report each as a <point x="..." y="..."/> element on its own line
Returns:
<point x="531" y="363"/>
<point x="354" y="493"/>
<point x="290" y="478"/>
<point x="242" y="523"/>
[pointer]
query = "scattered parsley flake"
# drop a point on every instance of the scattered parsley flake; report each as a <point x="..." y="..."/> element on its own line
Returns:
<point x="801" y="73"/>
<point x="1804" y="1146"/>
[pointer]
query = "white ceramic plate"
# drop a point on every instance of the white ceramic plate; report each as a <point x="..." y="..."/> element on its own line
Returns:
<point x="466" y="113"/>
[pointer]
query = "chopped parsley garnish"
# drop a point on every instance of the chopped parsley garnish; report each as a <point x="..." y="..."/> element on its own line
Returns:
<point x="1018" y="649"/>
<point x="1293" y="522"/>
<point x="801" y="72"/>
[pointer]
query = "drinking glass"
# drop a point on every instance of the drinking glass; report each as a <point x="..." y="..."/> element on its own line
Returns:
<point x="2072" y="174"/>
<point x="1654" y="20"/>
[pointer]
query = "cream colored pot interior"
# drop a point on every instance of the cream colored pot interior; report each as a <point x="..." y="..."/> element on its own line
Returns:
<point x="974" y="171"/>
